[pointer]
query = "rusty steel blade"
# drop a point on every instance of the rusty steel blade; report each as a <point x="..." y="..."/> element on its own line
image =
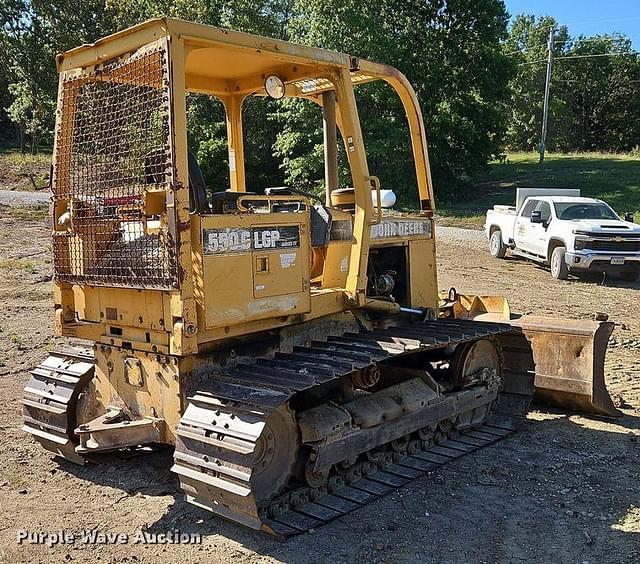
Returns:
<point x="568" y="355"/>
<point x="569" y="362"/>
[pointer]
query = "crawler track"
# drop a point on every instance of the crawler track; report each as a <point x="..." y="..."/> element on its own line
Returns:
<point x="352" y="495"/>
<point x="50" y="398"/>
<point x="227" y="429"/>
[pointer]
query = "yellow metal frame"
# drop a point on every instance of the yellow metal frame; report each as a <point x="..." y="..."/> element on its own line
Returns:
<point x="231" y="66"/>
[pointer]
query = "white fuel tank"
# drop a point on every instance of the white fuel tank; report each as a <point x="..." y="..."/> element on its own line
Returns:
<point x="388" y="198"/>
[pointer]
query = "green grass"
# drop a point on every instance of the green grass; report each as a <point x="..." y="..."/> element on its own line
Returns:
<point x="13" y="264"/>
<point x="613" y="178"/>
<point x="24" y="171"/>
<point x="33" y="213"/>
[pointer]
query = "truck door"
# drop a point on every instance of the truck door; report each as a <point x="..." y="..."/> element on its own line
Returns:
<point x="538" y="238"/>
<point x="522" y="227"/>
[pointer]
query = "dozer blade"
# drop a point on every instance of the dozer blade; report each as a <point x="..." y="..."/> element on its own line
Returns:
<point x="470" y="306"/>
<point x="568" y="355"/>
<point x="569" y="362"/>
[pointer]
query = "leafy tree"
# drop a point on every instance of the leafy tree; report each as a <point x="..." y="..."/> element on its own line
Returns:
<point x="527" y="46"/>
<point x="449" y="50"/>
<point x="594" y="102"/>
<point x="32" y="32"/>
<point x="600" y="95"/>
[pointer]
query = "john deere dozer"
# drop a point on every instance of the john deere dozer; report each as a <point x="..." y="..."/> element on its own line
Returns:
<point x="295" y="352"/>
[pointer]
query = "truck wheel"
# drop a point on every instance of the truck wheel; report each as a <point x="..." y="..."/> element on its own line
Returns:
<point x="559" y="267"/>
<point x="630" y="275"/>
<point x="496" y="247"/>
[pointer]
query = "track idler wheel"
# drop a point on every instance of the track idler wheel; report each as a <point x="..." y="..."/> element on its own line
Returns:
<point x="316" y="478"/>
<point x="275" y="455"/>
<point x="470" y="360"/>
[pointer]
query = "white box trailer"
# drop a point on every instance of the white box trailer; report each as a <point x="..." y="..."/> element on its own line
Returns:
<point x="523" y="193"/>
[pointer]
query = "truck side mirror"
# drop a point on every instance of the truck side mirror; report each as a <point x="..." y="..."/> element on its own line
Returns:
<point x="536" y="217"/>
<point x="628" y="216"/>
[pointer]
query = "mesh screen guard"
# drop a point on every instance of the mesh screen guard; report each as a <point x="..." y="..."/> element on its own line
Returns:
<point x="113" y="149"/>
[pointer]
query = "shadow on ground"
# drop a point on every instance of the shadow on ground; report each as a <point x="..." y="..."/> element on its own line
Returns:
<point x="589" y="278"/>
<point x="559" y="490"/>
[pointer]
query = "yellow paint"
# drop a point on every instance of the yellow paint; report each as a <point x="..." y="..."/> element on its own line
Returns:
<point x="254" y="289"/>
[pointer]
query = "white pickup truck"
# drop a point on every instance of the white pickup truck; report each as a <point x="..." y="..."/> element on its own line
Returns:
<point x="571" y="234"/>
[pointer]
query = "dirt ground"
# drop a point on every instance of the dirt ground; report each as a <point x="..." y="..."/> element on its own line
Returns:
<point x="565" y="489"/>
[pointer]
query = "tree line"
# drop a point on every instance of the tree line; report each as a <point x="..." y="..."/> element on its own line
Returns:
<point x="595" y="89"/>
<point x="479" y="81"/>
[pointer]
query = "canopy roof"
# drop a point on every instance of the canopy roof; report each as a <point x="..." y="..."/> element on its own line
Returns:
<point x="242" y="61"/>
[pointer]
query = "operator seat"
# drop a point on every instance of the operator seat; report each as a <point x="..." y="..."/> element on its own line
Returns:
<point x="320" y="216"/>
<point x="225" y="201"/>
<point x="198" y="202"/>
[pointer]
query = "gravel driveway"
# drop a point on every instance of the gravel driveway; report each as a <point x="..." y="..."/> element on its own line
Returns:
<point x="460" y="235"/>
<point x="17" y="199"/>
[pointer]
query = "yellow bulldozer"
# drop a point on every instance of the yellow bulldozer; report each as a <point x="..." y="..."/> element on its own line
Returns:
<point x="294" y="351"/>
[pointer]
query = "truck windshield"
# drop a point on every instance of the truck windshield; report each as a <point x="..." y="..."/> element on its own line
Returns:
<point x="594" y="210"/>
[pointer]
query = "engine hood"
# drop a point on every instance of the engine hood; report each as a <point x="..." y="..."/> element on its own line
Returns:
<point x="606" y="227"/>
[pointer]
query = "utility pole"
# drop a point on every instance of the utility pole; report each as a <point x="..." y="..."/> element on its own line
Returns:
<point x="547" y="86"/>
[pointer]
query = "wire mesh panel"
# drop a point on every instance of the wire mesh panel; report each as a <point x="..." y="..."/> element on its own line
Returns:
<point x="113" y="164"/>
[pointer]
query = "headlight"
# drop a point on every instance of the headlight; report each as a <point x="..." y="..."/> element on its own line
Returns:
<point x="580" y="244"/>
<point x="274" y="86"/>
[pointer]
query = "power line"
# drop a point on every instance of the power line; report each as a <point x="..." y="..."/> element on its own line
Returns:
<point x="621" y="20"/>
<point x="602" y="38"/>
<point x="618" y="54"/>
<point x="518" y="51"/>
<point x="580" y="81"/>
<point x="574" y="41"/>
<point x="532" y="62"/>
<point x="605" y="21"/>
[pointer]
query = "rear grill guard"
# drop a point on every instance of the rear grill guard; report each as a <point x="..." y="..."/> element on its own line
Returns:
<point x="112" y="148"/>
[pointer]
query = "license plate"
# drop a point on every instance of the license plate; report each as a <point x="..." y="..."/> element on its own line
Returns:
<point x="617" y="260"/>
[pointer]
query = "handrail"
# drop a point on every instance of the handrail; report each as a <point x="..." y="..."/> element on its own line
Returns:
<point x="268" y="200"/>
<point x="376" y="183"/>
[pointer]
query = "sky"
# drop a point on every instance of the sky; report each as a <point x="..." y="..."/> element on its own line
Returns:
<point x="587" y="17"/>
